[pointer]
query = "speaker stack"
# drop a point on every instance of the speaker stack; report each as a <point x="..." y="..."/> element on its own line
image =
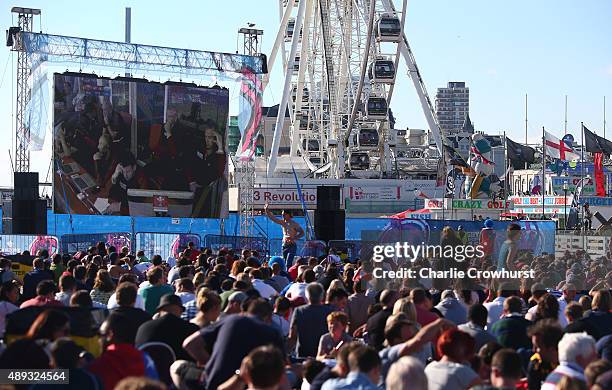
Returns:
<point x="329" y="217"/>
<point x="26" y="213"/>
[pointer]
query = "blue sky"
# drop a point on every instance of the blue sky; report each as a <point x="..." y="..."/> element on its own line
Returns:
<point x="502" y="50"/>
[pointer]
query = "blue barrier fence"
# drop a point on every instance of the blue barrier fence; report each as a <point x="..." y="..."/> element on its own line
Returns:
<point x="156" y="235"/>
<point x="165" y="244"/>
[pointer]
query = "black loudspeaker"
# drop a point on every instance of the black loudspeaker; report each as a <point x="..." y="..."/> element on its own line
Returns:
<point x="7" y="217"/>
<point x="264" y="65"/>
<point x="26" y="186"/>
<point x="25" y="213"/>
<point x="328" y="198"/>
<point x="25" y="217"/>
<point x="329" y="224"/>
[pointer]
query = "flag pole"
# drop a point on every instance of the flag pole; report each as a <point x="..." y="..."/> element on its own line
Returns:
<point x="582" y="166"/>
<point x="505" y="173"/>
<point x="565" y="125"/>
<point x="604" y="125"/>
<point x="543" y="188"/>
<point x="526" y="142"/>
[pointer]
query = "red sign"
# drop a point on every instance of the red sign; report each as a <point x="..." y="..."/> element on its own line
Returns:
<point x="160" y="204"/>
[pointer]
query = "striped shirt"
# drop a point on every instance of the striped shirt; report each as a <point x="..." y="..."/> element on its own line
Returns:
<point x="572" y="370"/>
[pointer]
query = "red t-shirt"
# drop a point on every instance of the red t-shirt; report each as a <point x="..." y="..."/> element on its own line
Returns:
<point x="293" y="271"/>
<point x="425" y="317"/>
<point x="119" y="361"/>
<point x="40" y="301"/>
<point x="194" y="255"/>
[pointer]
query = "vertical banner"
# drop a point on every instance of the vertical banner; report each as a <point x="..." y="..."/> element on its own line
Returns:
<point x="599" y="175"/>
<point x="38" y="111"/>
<point x="249" y="117"/>
<point x="441" y="173"/>
<point x="450" y="182"/>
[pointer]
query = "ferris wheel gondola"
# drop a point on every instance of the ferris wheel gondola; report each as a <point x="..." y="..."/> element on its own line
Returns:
<point x="388" y="29"/>
<point x="382" y="71"/>
<point x="376" y="109"/>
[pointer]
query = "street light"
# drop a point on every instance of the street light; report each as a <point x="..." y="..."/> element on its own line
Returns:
<point x="565" y="204"/>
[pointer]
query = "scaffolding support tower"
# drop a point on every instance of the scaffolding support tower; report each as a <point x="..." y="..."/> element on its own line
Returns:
<point x="35" y="48"/>
<point x="251" y="40"/>
<point x="25" y="23"/>
<point x="246" y="168"/>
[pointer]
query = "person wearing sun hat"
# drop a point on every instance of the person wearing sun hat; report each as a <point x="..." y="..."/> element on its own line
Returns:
<point x="169" y="328"/>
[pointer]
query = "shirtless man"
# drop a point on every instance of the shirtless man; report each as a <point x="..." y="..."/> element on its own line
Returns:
<point x="292" y="232"/>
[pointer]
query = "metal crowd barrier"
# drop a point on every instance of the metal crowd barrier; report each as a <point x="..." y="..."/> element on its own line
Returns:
<point x="216" y="242"/>
<point x="72" y="243"/>
<point x="275" y="247"/>
<point x="165" y="244"/>
<point x="11" y="244"/>
<point x="595" y="245"/>
<point x="352" y="250"/>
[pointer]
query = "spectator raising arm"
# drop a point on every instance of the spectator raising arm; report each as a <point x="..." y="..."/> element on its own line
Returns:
<point x="428" y="333"/>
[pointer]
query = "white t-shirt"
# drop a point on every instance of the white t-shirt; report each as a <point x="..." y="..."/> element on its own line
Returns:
<point x="495" y="309"/>
<point x="449" y="376"/>
<point x="531" y="313"/>
<point x="143" y="267"/>
<point x="296" y="290"/>
<point x="142" y="285"/>
<point x="173" y="275"/>
<point x="186" y="297"/>
<point x="562" y="306"/>
<point x="112" y="302"/>
<point x="265" y="290"/>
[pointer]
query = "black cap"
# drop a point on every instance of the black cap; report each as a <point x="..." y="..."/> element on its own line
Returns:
<point x="170" y="299"/>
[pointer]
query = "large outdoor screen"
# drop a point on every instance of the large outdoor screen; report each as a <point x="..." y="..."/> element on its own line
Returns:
<point x="133" y="147"/>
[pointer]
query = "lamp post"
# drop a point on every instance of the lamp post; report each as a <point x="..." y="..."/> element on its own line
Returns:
<point x="565" y="204"/>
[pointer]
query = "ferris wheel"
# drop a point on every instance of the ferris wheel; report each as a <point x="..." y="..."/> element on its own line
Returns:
<point x="340" y="60"/>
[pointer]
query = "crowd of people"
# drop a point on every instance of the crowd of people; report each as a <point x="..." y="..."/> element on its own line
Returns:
<point x="234" y="319"/>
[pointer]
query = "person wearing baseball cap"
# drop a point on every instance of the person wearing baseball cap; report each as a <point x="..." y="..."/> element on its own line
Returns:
<point x="168" y="328"/>
<point x="234" y="303"/>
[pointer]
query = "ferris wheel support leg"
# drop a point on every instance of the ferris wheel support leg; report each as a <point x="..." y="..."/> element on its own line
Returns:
<point x="387" y="150"/>
<point x="280" y="118"/>
<point x="364" y="65"/>
<point x="278" y="42"/>
<point x="299" y="92"/>
<point x="417" y="80"/>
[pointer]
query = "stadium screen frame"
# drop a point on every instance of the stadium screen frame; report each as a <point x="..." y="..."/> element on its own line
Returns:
<point x="133" y="147"/>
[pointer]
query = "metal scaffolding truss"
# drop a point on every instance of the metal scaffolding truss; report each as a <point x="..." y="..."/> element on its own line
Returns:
<point x="24" y="64"/>
<point x="34" y="49"/>
<point x="144" y="57"/>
